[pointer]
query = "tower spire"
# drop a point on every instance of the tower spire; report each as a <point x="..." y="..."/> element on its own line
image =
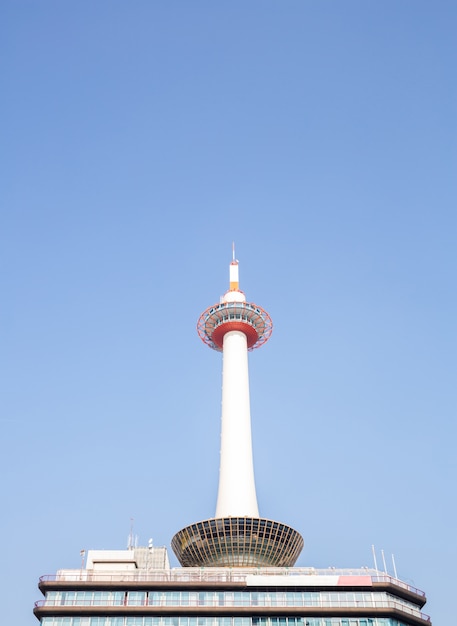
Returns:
<point x="234" y="276"/>
<point x="236" y="536"/>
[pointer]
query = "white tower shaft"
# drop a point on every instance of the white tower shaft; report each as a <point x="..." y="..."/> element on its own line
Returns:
<point x="236" y="494"/>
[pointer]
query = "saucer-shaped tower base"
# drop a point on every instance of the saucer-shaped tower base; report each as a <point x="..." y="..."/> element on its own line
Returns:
<point x="237" y="542"/>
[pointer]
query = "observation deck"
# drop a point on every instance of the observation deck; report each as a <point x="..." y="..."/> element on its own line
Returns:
<point x="249" y="318"/>
<point x="237" y="542"/>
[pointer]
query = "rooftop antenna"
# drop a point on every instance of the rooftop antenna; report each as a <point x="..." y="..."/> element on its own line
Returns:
<point x="82" y="554"/>
<point x="374" y="557"/>
<point x="130" y="541"/>
<point x="394" y="566"/>
<point x="150" y="548"/>
<point x="384" y="561"/>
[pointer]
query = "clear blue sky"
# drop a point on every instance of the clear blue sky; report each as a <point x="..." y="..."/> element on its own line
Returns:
<point x="138" y="140"/>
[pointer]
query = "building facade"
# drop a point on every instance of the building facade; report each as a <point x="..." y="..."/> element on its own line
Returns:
<point x="116" y="588"/>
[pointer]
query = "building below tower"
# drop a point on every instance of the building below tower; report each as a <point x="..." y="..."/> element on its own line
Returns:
<point x="137" y="587"/>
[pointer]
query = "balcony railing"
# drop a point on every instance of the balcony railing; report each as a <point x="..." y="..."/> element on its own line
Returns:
<point x="319" y="603"/>
<point x="215" y="574"/>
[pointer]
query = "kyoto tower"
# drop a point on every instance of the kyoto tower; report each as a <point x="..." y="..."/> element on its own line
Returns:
<point x="237" y="536"/>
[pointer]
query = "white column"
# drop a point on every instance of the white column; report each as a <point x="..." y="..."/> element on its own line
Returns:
<point x="236" y="495"/>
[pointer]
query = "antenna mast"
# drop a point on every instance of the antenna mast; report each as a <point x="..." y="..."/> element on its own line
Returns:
<point x="130" y="541"/>
<point x="384" y="561"/>
<point x="374" y="557"/>
<point x="394" y="566"/>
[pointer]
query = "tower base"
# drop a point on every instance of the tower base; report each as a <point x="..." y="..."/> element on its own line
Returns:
<point x="237" y="542"/>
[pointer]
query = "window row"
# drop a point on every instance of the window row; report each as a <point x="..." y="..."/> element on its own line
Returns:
<point x="226" y="598"/>
<point x="220" y="621"/>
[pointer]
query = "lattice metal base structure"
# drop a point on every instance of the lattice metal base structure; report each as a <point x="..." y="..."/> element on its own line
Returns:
<point x="237" y="542"/>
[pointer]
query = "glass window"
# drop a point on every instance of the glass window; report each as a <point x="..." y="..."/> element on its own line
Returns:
<point x="53" y="597"/>
<point x="136" y="598"/>
<point x="117" y="598"/>
<point x="98" y="600"/>
<point x="173" y="598"/>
